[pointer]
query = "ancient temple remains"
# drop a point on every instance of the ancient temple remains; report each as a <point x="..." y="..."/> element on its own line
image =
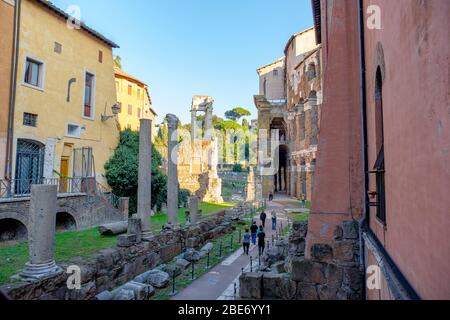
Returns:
<point x="198" y="158"/>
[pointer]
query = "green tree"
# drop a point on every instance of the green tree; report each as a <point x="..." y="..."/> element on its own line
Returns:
<point x="118" y="61"/>
<point x="122" y="172"/>
<point x="237" y="113"/>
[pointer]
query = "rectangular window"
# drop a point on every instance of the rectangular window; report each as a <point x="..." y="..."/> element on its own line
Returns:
<point x="139" y="113"/>
<point x="130" y="90"/>
<point x="275" y="73"/>
<point x="120" y="107"/>
<point x="100" y="56"/>
<point x="130" y="110"/>
<point x="73" y="130"/>
<point x="89" y="94"/>
<point x="58" y="47"/>
<point x="33" y="72"/>
<point x="138" y="93"/>
<point x="29" y="119"/>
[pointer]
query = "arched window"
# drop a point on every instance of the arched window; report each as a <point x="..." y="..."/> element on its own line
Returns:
<point x="379" y="166"/>
<point x="311" y="71"/>
<point x="29" y="165"/>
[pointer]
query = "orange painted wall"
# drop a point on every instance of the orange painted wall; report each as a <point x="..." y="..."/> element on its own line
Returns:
<point x="6" y="44"/>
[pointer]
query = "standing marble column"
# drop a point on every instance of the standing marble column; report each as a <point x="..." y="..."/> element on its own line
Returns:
<point x="193" y="125"/>
<point x="172" y="183"/>
<point x="41" y="233"/>
<point x="193" y="209"/>
<point x="144" y="200"/>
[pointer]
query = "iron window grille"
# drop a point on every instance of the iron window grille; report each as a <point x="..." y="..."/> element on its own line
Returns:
<point x="29" y="119"/>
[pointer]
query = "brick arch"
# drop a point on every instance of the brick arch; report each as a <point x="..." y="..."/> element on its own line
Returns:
<point x="19" y="216"/>
<point x="14" y="226"/>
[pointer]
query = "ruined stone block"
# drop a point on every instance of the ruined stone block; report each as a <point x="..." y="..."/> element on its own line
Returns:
<point x="345" y="251"/>
<point x="251" y="285"/>
<point x="307" y="292"/>
<point x="278" y="286"/>
<point x="350" y="230"/>
<point x="192" y="242"/>
<point x="322" y="253"/>
<point x="126" y="240"/>
<point x="334" y="275"/>
<point x="327" y="292"/>
<point x="307" y="271"/>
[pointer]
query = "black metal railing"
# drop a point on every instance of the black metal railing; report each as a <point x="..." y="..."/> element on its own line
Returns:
<point x="19" y="188"/>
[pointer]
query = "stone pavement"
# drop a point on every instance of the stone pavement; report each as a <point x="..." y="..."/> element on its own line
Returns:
<point x="219" y="282"/>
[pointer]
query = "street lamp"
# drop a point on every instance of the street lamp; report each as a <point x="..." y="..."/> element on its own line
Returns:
<point x="115" y="111"/>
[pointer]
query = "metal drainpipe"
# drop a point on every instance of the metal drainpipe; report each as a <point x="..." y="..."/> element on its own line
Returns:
<point x="364" y="222"/>
<point x="12" y="91"/>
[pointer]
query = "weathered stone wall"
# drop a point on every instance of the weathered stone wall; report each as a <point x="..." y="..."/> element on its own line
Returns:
<point x="332" y="273"/>
<point x="111" y="268"/>
<point x="87" y="210"/>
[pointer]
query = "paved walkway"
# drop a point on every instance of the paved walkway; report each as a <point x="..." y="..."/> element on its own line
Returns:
<point x="219" y="282"/>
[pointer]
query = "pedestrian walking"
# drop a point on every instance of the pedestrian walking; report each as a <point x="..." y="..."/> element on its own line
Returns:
<point x="271" y="197"/>
<point x="263" y="218"/>
<point x="274" y="220"/>
<point x="303" y="198"/>
<point x="246" y="242"/>
<point x="254" y="231"/>
<point x="261" y="240"/>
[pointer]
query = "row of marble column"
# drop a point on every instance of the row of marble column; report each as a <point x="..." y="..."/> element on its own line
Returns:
<point x="43" y="205"/>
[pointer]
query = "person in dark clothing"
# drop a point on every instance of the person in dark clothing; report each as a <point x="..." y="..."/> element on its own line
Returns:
<point x="263" y="218"/>
<point x="261" y="240"/>
<point x="271" y="197"/>
<point x="254" y="231"/>
<point x="246" y="243"/>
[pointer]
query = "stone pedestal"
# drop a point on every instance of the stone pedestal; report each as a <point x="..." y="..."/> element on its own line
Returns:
<point x="42" y="228"/>
<point x="172" y="183"/>
<point x="193" y="209"/>
<point x="145" y="177"/>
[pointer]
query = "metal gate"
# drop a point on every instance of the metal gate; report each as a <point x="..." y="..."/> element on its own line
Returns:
<point x="29" y="165"/>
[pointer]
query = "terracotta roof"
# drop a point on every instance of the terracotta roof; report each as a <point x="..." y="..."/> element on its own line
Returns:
<point x="119" y="72"/>
<point x="295" y="36"/>
<point x="83" y="26"/>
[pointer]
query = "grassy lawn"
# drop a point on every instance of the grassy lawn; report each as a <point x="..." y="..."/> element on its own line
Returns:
<point x="299" y="217"/>
<point x="160" y="219"/>
<point x="67" y="246"/>
<point x="81" y="243"/>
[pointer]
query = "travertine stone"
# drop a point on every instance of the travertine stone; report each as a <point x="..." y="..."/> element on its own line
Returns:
<point x="42" y="227"/>
<point x="145" y="177"/>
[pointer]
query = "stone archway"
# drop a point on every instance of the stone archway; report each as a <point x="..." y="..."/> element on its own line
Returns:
<point x="12" y="230"/>
<point x="65" y="222"/>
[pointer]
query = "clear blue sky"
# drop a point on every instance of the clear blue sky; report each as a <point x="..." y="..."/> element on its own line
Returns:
<point x="181" y="48"/>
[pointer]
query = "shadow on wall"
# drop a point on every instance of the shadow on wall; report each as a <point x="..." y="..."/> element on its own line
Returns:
<point x="65" y="222"/>
<point x="12" y="230"/>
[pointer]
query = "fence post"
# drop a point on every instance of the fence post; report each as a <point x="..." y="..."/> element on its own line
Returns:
<point x="220" y="249"/>
<point x="193" y="270"/>
<point x="207" y="261"/>
<point x="251" y="263"/>
<point x="174" y="292"/>
<point x="231" y="241"/>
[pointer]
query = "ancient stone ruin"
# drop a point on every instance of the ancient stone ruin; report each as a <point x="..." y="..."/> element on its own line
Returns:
<point x="332" y="272"/>
<point x="198" y="158"/>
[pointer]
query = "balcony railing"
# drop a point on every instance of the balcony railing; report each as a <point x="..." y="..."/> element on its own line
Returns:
<point x="21" y="188"/>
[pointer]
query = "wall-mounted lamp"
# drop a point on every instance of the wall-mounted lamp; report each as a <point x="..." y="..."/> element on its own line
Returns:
<point x="115" y="111"/>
